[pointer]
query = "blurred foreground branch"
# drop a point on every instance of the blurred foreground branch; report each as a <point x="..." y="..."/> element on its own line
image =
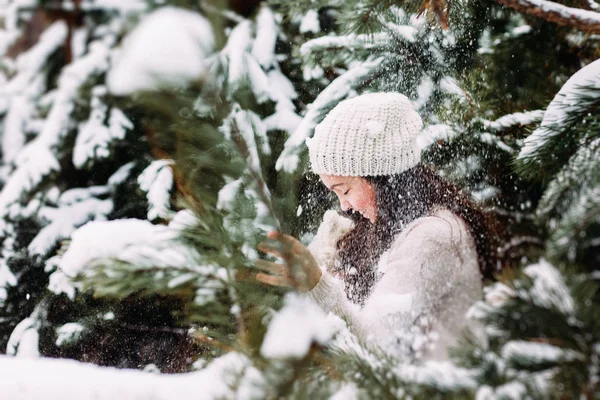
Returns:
<point x="585" y="20"/>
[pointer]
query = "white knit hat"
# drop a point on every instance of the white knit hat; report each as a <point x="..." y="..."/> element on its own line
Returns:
<point x="369" y="135"/>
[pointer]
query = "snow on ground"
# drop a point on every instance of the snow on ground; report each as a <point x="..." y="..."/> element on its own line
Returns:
<point x="168" y="48"/>
<point x="55" y="379"/>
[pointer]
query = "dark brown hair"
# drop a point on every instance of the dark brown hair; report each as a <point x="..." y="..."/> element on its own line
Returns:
<point x="401" y="199"/>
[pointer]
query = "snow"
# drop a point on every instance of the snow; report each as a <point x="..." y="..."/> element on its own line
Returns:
<point x="283" y="93"/>
<point x="263" y="47"/>
<point x="65" y="220"/>
<point x="13" y="135"/>
<point x="310" y="22"/>
<point x="336" y="91"/>
<point x="249" y="126"/>
<point x="432" y="133"/>
<point x="30" y="63"/>
<point x="38" y="159"/>
<point x="68" y="333"/>
<point x="57" y="379"/>
<point x="495" y="141"/>
<point x="590" y="17"/>
<point x="94" y="138"/>
<point x="514" y="120"/>
<point x="168" y="48"/>
<point x="123" y="7"/>
<point x="61" y="284"/>
<point x="533" y="353"/>
<point x="574" y="96"/>
<point x="19" y="335"/>
<point x="498" y="294"/>
<point x="121" y="174"/>
<point x="328" y="43"/>
<point x="131" y="241"/>
<point x="405" y="32"/>
<point x="549" y="289"/>
<point x="236" y="53"/>
<point x="28" y="84"/>
<point x="294" y="329"/>
<point x="441" y="375"/>
<point x="157" y="181"/>
<point x="228" y="194"/>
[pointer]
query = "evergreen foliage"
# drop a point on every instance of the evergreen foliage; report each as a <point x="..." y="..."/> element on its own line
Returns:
<point x="132" y="205"/>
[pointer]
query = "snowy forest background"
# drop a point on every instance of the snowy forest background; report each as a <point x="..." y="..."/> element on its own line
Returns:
<point x="148" y="145"/>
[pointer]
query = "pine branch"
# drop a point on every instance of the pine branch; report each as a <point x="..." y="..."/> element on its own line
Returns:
<point x="587" y="21"/>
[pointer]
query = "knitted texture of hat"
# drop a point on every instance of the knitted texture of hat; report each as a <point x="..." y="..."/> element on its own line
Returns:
<point x="369" y="135"/>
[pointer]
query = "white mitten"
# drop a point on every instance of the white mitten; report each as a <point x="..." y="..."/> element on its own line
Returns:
<point x="323" y="246"/>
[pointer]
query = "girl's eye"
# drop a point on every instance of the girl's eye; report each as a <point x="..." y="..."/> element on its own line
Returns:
<point x="346" y="192"/>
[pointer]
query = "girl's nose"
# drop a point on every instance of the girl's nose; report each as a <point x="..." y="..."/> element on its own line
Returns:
<point x="344" y="205"/>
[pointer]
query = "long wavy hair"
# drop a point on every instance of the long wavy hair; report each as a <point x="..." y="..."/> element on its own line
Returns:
<point x="400" y="199"/>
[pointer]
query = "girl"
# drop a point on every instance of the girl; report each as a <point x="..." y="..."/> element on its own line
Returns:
<point x="406" y="261"/>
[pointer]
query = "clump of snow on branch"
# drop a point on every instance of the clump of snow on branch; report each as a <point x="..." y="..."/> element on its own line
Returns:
<point x="169" y="48"/>
<point x="75" y="208"/>
<point x="579" y="92"/>
<point x="157" y="181"/>
<point x="133" y="241"/>
<point x="432" y="133"/>
<point x="69" y="333"/>
<point x="94" y="137"/>
<point x="310" y="22"/>
<point x="294" y="329"/>
<point x="549" y="288"/>
<point x="533" y="353"/>
<point x="24" y="339"/>
<point x="514" y="120"/>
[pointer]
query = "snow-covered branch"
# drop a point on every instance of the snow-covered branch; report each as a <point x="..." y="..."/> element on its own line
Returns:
<point x="585" y="20"/>
<point x="514" y="120"/>
<point x="335" y="92"/>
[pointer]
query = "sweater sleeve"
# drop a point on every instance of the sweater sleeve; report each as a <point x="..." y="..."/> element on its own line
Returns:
<point x="421" y="278"/>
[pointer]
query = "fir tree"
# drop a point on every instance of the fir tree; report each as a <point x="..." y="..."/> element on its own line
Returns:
<point x="469" y="70"/>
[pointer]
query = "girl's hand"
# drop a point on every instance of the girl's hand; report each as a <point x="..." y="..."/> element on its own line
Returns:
<point x="300" y="270"/>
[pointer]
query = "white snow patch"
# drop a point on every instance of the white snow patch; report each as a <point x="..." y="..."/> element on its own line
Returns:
<point x="263" y="47"/>
<point x="157" y="181"/>
<point x="65" y="220"/>
<point x="298" y="325"/>
<point x="24" y="340"/>
<point x="310" y="22"/>
<point x="515" y="119"/>
<point x="549" y="289"/>
<point x="538" y="353"/>
<point x="58" y="379"/>
<point x="432" y="133"/>
<point x="168" y="48"/>
<point x="69" y="333"/>
<point x="132" y="241"/>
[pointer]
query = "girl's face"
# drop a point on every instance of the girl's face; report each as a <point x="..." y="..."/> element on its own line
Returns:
<point x="353" y="192"/>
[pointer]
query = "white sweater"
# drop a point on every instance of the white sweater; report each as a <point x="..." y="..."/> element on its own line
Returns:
<point x="429" y="279"/>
